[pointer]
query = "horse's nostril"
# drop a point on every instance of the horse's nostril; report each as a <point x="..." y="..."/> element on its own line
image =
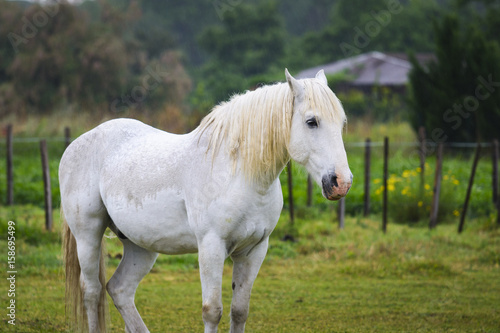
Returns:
<point x="333" y="179"/>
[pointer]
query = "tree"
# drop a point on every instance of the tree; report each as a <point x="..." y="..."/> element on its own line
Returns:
<point x="357" y="26"/>
<point x="55" y="57"/>
<point x="457" y="97"/>
<point x="57" y="54"/>
<point x="250" y="41"/>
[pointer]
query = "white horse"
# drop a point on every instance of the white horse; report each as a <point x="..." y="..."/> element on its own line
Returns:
<point x="214" y="191"/>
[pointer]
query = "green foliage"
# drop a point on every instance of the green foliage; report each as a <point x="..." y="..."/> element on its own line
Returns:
<point x="381" y="104"/>
<point x="42" y="75"/>
<point x="357" y="27"/>
<point x="250" y="42"/>
<point x="57" y="58"/>
<point x="98" y="55"/>
<point x="247" y="35"/>
<point x="409" y="198"/>
<point x="456" y="98"/>
<point x="27" y="173"/>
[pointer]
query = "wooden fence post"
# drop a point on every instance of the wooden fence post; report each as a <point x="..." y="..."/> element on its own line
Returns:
<point x="469" y="188"/>
<point x="309" y="190"/>
<point x="494" y="176"/>
<point x="366" y="206"/>
<point x="67" y="137"/>
<point x="46" y="184"/>
<point x="10" y="177"/>
<point x="498" y="212"/>
<point x="422" y="153"/>
<point x="423" y="150"/>
<point x="437" y="187"/>
<point x="496" y="199"/>
<point x="384" y="208"/>
<point x="290" y="192"/>
<point x="341" y="213"/>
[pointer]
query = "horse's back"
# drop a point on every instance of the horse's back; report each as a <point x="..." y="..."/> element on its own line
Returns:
<point x="86" y="152"/>
<point x="109" y="136"/>
<point x="82" y="162"/>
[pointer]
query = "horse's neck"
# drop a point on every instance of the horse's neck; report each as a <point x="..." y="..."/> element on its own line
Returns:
<point x="199" y="140"/>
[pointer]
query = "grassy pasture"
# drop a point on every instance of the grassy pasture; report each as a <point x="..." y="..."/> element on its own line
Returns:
<point x="330" y="280"/>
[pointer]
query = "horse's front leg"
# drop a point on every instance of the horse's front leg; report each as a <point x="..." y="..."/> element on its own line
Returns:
<point x="245" y="270"/>
<point x="211" y="256"/>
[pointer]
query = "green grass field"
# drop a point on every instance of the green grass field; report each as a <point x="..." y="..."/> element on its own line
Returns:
<point x="329" y="280"/>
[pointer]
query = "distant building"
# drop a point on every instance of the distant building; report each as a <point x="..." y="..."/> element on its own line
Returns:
<point x="369" y="70"/>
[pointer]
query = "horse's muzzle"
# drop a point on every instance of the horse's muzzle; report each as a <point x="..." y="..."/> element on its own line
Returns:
<point x="334" y="187"/>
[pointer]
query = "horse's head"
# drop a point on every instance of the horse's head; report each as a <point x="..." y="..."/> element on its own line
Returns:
<point x="316" y="134"/>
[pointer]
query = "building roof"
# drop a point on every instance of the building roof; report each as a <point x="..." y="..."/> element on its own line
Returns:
<point x="373" y="68"/>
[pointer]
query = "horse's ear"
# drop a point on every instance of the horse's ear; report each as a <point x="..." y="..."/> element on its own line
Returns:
<point x="320" y="76"/>
<point x="296" y="87"/>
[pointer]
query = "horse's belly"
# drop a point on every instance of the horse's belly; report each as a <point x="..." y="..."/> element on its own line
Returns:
<point x="157" y="223"/>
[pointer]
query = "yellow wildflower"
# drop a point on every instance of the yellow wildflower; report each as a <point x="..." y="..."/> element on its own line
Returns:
<point x="406" y="191"/>
<point x="427" y="186"/>
<point x="420" y="203"/>
<point x="376" y="181"/>
<point x="393" y="179"/>
<point x="446" y="177"/>
<point x="406" y="174"/>
<point x="456" y="212"/>
<point x="419" y="169"/>
<point x="456" y="182"/>
<point x="391" y="187"/>
<point x="379" y="190"/>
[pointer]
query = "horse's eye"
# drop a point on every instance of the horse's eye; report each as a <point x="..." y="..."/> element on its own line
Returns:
<point x="312" y="122"/>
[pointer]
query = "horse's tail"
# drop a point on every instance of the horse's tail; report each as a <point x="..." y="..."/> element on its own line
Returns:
<point x="75" y="309"/>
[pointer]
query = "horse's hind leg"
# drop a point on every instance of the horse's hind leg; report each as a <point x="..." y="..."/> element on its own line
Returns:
<point x="135" y="264"/>
<point x="88" y="241"/>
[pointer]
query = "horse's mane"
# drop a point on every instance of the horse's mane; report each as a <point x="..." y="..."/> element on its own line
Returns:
<point x="255" y="126"/>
